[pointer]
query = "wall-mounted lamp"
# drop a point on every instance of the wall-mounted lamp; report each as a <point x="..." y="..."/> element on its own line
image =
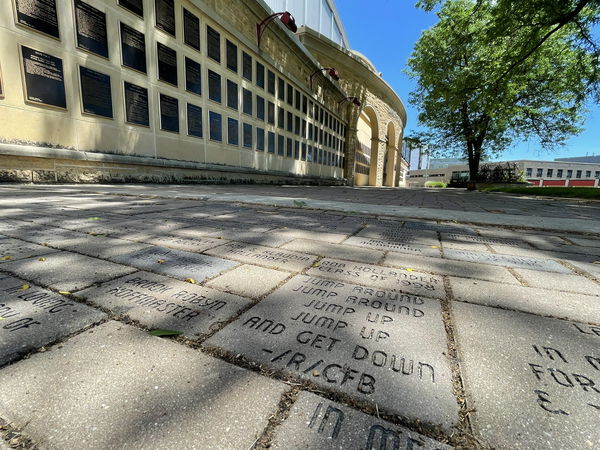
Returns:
<point x="333" y="73"/>
<point x="286" y="18"/>
<point x="355" y="101"/>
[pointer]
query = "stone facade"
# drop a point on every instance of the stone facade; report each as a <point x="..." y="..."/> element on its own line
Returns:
<point x="285" y="141"/>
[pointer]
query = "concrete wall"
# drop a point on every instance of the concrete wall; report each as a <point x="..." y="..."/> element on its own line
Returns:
<point x="79" y="134"/>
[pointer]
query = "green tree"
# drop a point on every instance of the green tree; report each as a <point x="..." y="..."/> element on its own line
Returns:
<point x="480" y="87"/>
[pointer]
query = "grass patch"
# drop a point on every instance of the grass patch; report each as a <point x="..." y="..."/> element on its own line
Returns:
<point x="436" y="184"/>
<point x="552" y="191"/>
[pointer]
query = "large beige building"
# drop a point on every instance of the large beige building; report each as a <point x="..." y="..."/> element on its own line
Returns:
<point x="181" y="90"/>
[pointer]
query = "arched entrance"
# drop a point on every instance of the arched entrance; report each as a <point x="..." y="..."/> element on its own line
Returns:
<point x="391" y="153"/>
<point x="365" y="169"/>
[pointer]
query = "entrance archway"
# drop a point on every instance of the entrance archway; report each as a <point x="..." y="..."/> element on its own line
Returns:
<point x="366" y="154"/>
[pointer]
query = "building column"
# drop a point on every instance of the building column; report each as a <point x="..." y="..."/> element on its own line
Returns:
<point x="378" y="149"/>
<point x="392" y="155"/>
<point x="350" y="155"/>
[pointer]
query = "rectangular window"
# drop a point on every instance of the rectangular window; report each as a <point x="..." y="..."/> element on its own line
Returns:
<point x="559" y="173"/>
<point x="304" y="104"/>
<point x="297" y="125"/>
<point x="280" y="117"/>
<point x="309" y="156"/>
<point x="280" y="89"/>
<point x="271" y="142"/>
<point x="290" y="148"/>
<point x="193" y="76"/>
<point x="214" y="86"/>
<point x="191" y="29"/>
<point x="298" y="100"/>
<point x="232" y="55"/>
<point x="310" y="109"/>
<point x="260" y="139"/>
<point x="280" y="145"/>
<point x="260" y="75"/>
<point x="597" y="174"/>
<point x="326" y="119"/>
<point x="271" y="113"/>
<point x="303" y="129"/>
<point x="290" y="122"/>
<point x="194" y="120"/>
<point x="215" y="126"/>
<point x="578" y="174"/>
<point x="247" y="66"/>
<point x="247" y="102"/>
<point x="569" y="173"/>
<point x="260" y="107"/>
<point x="549" y="173"/>
<point x="247" y="135"/>
<point x="233" y="131"/>
<point x="296" y="150"/>
<point x="167" y="64"/>
<point x="588" y="174"/>
<point x="529" y="172"/>
<point x="290" y="95"/>
<point x="213" y="44"/>
<point x="232" y="95"/>
<point x="310" y="131"/>
<point x="169" y="113"/>
<point x="303" y="151"/>
<point x="271" y="83"/>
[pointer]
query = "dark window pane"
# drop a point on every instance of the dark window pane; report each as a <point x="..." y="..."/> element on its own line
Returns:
<point x="310" y="109"/>
<point x="247" y="66"/>
<point x="193" y="76"/>
<point x="232" y="56"/>
<point x="271" y="142"/>
<point x="297" y="125"/>
<point x="213" y="43"/>
<point x="194" y="120"/>
<point x="214" y="86"/>
<point x="298" y="97"/>
<point x="271" y="113"/>
<point x="309" y="156"/>
<point x="260" y="75"/>
<point x="247" y="135"/>
<point x="247" y="102"/>
<point x="191" y="29"/>
<point x="290" y="150"/>
<point x="280" y="89"/>
<point x="303" y="151"/>
<point x="169" y="113"/>
<point x="232" y="94"/>
<point x="296" y="150"/>
<point x="260" y="140"/>
<point x="304" y="104"/>
<point x="310" y="131"/>
<point x="303" y="129"/>
<point x="167" y="64"/>
<point x="232" y="131"/>
<point x="280" y="144"/>
<point x="216" y="127"/>
<point x="290" y="95"/>
<point x="280" y="117"/>
<point x="271" y="83"/>
<point x="260" y="107"/>
<point x="290" y="122"/>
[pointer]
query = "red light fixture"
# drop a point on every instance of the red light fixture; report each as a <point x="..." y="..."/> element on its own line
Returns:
<point x="333" y="73"/>
<point x="286" y="18"/>
<point x="355" y="101"/>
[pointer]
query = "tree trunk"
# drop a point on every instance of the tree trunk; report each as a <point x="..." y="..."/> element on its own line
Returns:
<point x="474" y="159"/>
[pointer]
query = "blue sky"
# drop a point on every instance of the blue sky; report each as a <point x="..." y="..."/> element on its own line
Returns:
<point x="386" y="30"/>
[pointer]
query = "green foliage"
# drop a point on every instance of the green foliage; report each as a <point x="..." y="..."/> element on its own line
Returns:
<point x="435" y="184"/>
<point x="484" y="82"/>
<point x="553" y="191"/>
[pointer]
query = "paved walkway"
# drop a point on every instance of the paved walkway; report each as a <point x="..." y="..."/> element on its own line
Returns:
<point x="306" y="317"/>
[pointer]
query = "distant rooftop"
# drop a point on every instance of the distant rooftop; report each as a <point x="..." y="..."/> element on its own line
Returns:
<point x="581" y="159"/>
